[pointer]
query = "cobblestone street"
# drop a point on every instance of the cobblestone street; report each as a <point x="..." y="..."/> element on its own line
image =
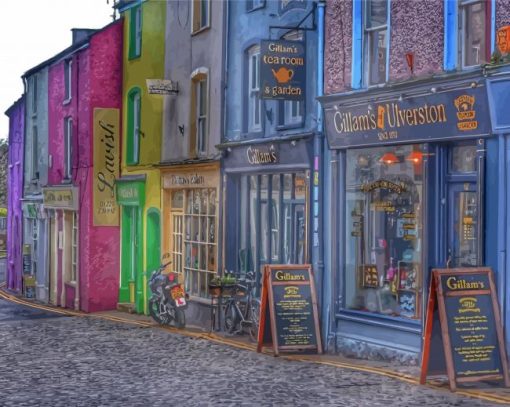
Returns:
<point x="73" y="361"/>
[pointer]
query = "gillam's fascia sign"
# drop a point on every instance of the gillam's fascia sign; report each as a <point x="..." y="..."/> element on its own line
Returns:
<point x="457" y="113"/>
<point x="282" y="70"/>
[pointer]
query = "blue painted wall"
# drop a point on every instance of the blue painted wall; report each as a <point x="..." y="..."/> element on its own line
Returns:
<point x="247" y="28"/>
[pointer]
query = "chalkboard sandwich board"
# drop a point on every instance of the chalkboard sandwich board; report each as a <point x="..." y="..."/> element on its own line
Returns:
<point x="288" y="317"/>
<point x="471" y="329"/>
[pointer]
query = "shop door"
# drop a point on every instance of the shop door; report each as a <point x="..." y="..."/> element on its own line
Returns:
<point x="463" y="211"/>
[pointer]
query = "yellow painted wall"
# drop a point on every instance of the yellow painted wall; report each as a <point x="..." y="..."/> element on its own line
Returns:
<point x="150" y="65"/>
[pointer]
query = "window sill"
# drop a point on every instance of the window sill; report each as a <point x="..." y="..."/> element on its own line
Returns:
<point x="368" y="318"/>
<point x="252" y="135"/>
<point x="71" y="283"/>
<point x="67" y="101"/>
<point x="66" y="181"/>
<point x="34" y="180"/>
<point x="259" y="7"/>
<point x="292" y="126"/>
<point x="132" y="57"/>
<point x="200" y="30"/>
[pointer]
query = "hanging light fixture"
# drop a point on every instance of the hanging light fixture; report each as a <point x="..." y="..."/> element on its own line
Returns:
<point x="415" y="157"/>
<point x="389" y="158"/>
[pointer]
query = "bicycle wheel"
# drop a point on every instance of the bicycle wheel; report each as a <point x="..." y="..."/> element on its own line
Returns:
<point x="254" y="318"/>
<point x="230" y="317"/>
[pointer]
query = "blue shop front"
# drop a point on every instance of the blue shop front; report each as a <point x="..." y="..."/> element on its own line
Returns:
<point x="416" y="179"/>
<point x="266" y="203"/>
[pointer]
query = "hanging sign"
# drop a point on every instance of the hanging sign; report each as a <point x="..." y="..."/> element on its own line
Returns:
<point x="471" y="331"/>
<point x="106" y="166"/>
<point x="288" y="317"/>
<point x="282" y="70"/>
<point x="56" y="197"/>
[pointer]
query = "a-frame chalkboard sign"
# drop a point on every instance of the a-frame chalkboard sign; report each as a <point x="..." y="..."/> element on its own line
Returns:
<point x="471" y="330"/>
<point x="289" y="319"/>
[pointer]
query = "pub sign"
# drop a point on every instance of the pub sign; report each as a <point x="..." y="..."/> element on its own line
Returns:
<point x="282" y="70"/>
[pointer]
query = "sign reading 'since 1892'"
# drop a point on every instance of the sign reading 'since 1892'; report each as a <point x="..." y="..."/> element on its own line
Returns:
<point x="282" y="70"/>
<point x="462" y="113"/>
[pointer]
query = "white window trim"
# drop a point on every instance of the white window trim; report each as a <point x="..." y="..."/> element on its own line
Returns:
<point x="366" y="45"/>
<point x="193" y="11"/>
<point x="68" y="140"/>
<point x="202" y="149"/>
<point x="68" y="80"/>
<point x="254" y="91"/>
<point x="462" y="6"/>
<point x="288" y="118"/>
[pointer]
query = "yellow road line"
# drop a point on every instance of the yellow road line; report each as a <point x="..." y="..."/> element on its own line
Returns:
<point x="224" y="341"/>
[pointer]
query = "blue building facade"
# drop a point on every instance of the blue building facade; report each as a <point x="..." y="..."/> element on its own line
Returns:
<point x="270" y="148"/>
<point x="416" y="166"/>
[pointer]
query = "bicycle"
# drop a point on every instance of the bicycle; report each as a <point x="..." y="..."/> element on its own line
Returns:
<point x="242" y="309"/>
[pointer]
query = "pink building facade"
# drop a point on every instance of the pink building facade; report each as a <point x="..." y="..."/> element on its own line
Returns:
<point x="84" y="102"/>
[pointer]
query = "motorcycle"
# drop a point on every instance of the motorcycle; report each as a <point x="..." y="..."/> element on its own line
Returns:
<point x="168" y="300"/>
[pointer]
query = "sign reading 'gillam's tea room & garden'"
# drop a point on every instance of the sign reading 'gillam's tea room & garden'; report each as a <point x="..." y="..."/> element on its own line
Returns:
<point x="282" y="70"/>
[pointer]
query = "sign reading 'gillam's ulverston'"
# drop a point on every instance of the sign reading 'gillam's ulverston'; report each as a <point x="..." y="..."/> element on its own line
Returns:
<point x="282" y="70"/>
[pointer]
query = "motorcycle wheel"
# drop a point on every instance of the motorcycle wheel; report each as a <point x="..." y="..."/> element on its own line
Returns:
<point x="255" y="319"/>
<point x="230" y="318"/>
<point x="154" y="311"/>
<point x="180" y="318"/>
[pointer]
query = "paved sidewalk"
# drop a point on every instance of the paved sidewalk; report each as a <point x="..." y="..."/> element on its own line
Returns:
<point x="408" y="374"/>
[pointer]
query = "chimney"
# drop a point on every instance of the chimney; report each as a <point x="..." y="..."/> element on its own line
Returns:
<point x="81" y="34"/>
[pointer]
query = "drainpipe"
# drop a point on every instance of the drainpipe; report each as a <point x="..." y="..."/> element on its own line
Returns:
<point x="317" y="182"/>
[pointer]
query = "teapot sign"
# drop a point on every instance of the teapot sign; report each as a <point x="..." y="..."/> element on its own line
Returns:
<point x="282" y="70"/>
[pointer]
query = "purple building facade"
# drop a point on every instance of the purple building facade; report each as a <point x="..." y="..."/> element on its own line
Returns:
<point x="16" y="114"/>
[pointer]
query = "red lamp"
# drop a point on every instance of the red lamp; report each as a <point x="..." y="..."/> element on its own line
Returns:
<point x="389" y="158"/>
<point x="415" y="157"/>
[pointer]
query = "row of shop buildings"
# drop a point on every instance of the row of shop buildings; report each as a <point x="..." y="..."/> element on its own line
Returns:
<point x="375" y="149"/>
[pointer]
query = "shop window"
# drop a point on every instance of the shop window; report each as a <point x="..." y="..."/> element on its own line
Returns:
<point x="199" y="112"/>
<point x="193" y="240"/>
<point x="376" y="41"/>
<point x="68" y="148"/>
<point x="35" y="240"/>
<point x="200" y="14"/>
<point x="272" y="213"/>
<point x="472" y="32"/>
<point x="384" y="230"/>
<point x="254" y="113"/>
<point x="134" y="110"/>
<point x="68" y="74"/>
<point x="35" y="154"/>
<point x="74" y="247"/>
<point x="135" y="32"/>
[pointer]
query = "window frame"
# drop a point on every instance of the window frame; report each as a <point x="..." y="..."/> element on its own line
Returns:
<point x="133" y="126"/>
<point x="68" y="149"/>
<point x="35" y="153"/>
<point x="198" y="145"/>
<point x="253" y="92"/>
<point x="68" y="80"/>
<point x="253" y="5"/>
<point x="367" y="35"/>
<point x="135" y="32"/>
<point x="462" y="7"/>
<point x="286" y="121"/>
<point x="34" y="95"/>
<point x="197" y="25"/>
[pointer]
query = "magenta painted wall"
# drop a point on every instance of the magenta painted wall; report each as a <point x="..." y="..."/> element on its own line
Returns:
<point x="96" y="82"/>
<point x="16" y="115"/>
<point x="502" y="13"/>
<point x="416" y="27"/>
<point x="338" y="48"/>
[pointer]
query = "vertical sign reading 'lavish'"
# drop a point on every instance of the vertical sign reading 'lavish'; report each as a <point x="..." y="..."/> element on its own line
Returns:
<point x="106" y="166"/>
